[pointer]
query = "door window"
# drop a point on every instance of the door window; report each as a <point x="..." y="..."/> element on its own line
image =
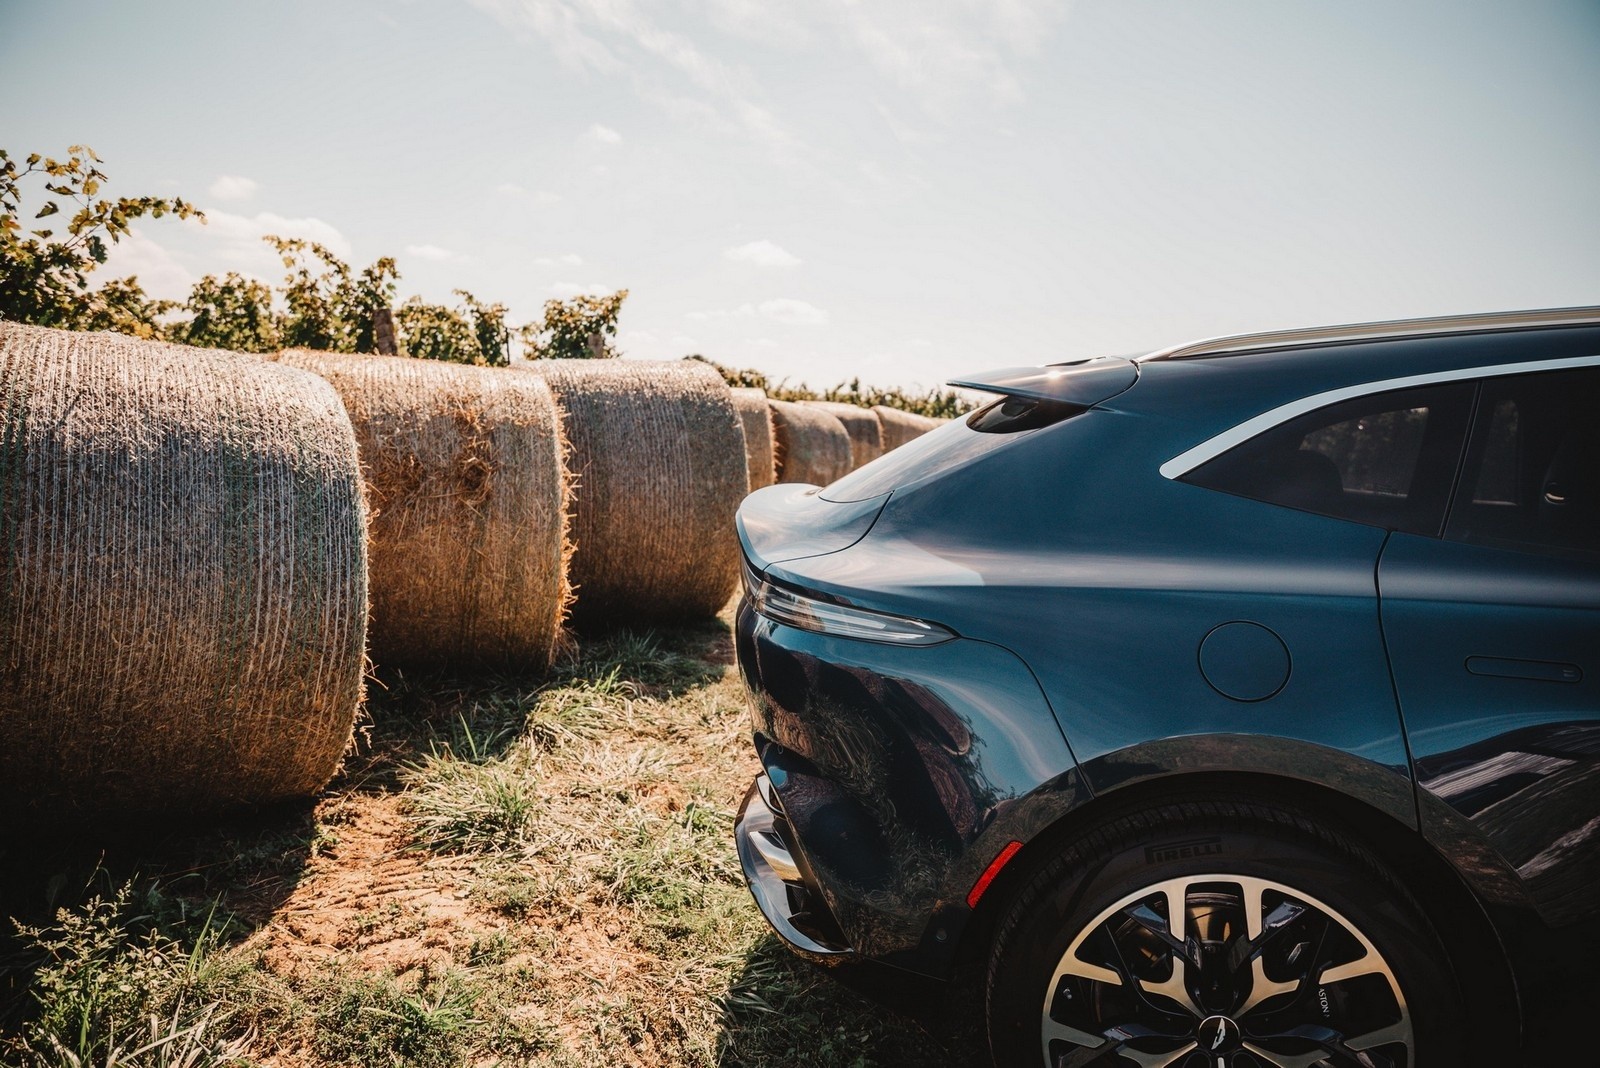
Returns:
<point x="1532" y="475"/>
<point x="1386" y="459"/>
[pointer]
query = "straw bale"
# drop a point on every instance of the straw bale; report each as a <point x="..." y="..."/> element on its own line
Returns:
<point x="866" y="434"/>
<point x="658" y="458"/>
<point x="751" y="404"/>
<point x="183" y="578"/>
<point x="466" y="474"/>
<point x="812" y="445"/>
<point x="900" y="426"/>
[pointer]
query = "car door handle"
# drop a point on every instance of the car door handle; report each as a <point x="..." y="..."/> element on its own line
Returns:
<point x="1539" y="670"/>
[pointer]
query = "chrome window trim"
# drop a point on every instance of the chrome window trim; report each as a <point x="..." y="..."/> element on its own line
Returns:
<point x="1218" y="444"/>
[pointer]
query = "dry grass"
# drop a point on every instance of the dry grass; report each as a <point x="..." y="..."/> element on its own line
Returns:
<point x="512" y="871"/>
<point x="466" y="473"/>
<point x="183" y="578"/>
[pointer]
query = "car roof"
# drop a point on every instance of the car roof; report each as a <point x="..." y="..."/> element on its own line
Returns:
<point x="1396" y="329"/>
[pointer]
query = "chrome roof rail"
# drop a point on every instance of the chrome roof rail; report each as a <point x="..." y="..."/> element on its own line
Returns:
<point x="1398" y="328"/>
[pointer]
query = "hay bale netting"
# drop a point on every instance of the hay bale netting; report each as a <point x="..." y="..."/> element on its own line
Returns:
<point x="901" y="426"/>
<point x="866" y="435"/>
<point x="659" y="464"/>
<point x="183" y="578"/>
<point x="812" y="446"/>
<point x="467" y="479"/>
<point x="756" y="415"/>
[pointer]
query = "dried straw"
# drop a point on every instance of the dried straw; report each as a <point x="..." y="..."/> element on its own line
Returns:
<point x="813" y="447"/>
<point x="658" y="456"/>
<point x="183" y="578"/>
<point x="866" y="434"/>
<point x="901" y="426"/>
<point x="751" y="404"/>
<point x="466" y="473"/>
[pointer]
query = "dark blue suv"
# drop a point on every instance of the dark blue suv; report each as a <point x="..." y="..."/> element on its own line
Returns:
<point x="1233" y="705"/>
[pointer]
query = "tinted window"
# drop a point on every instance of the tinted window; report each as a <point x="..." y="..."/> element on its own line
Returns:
<point x="1532" y="476"/>
<point x="1387" y="459"/>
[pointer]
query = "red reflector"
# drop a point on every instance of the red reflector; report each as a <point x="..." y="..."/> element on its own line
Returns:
<point x="990" y="872"/>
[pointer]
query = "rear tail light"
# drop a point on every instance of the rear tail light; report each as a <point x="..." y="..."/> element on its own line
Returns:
<point x="822" y="617"/>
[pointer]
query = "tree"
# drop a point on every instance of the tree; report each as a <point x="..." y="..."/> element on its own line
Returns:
<point x="475" y="333"/>
<point x="489" y="329"/>
<point x="435" y="332"/>
<point x="231" y="313"/>
<point x="331" y="309"/>
<point x="938" y="403"/>
<point x="580" y="328"/>
<point x="123" y="306"/>
<point x="44" y="271"/>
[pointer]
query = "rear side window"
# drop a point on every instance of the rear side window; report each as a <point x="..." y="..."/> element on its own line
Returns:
<point x="1532" y="474"/>
<point x="1387" y="459"/>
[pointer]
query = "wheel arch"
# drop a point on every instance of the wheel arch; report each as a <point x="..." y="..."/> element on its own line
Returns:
<point x="1486" y="978"/>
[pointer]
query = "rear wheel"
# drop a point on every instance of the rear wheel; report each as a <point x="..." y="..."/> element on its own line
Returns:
<point x="1219" y="935"/>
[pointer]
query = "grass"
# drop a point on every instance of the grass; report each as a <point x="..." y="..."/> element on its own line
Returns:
<point x="510" y="871"/>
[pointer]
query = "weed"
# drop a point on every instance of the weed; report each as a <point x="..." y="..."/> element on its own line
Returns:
<point x="370" y="1021"/>
<point x="112" y="990"/>
<point x="460" y="806"/>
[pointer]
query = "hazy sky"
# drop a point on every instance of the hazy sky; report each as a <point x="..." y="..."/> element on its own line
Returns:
<point x="897" y="189"/>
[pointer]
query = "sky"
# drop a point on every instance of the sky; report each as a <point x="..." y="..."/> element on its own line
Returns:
<point x="897" y="190"/>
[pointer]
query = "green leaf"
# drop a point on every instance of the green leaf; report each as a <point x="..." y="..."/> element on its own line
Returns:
<point x="49" y="209"/>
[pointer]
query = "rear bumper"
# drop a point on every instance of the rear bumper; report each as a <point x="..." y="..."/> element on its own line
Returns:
<point x="892" y="778"/>
<point x="785" y="897"/>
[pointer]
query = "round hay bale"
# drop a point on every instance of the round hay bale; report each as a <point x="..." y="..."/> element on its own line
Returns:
<point x="754" y="413"/>
<point x="658" y="458"/>
<point x="900" y="426"/>
<point x="183" y="578"/>
<point x="466" y="474"/>
<point x="866" y="435"/>
<point x="812" y="445"/>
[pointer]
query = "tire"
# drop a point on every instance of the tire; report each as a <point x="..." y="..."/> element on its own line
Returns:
<point x="1343" y="957"/>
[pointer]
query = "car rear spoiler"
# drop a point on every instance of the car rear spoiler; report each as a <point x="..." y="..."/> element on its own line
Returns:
<point x="1082" y="384"/>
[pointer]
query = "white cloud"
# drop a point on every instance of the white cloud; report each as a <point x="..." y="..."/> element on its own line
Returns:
<point x="232" y="187"/>
<point x="875" y="173"/>
<point x="604" y="135"/>
<point x="158" y="271"/>
<point x="785" y="310"/>
<point x="947" y="54"/>
<point x="538" y="196"/>
<point x="571" y="259"/>
<point x="613" y="37"/>
<point x="743" y="311"/>
<point x="565" y="290"/>
<point x="762" y="254"/>
<point x="242" y="234"/>
<point x="434" y="253"/>
<point x="558" y="24"/>
<point x="793" y="312"/>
